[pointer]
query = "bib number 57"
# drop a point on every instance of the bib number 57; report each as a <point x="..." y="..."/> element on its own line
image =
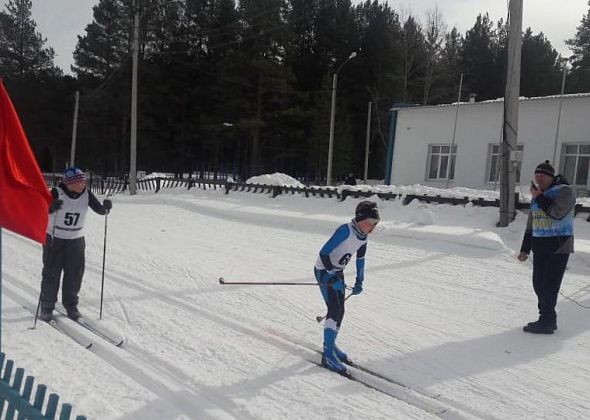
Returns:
<point x="71" y="219"/>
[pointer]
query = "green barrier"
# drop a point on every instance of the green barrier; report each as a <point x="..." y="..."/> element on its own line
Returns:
<point x="17" y="400"/>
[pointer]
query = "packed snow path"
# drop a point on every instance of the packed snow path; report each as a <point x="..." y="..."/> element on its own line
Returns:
<point x="442" y="311"/>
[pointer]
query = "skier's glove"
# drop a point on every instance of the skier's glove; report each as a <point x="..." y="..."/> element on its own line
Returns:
<point x="55" y="205"/>
<point x="358" y="287"/>
<point x="108" y="205"/>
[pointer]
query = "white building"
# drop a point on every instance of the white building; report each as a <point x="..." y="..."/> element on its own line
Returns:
<point x="421" y="138"/>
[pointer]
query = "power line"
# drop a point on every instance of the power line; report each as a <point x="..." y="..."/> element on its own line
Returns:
<point x="104" y="85"/>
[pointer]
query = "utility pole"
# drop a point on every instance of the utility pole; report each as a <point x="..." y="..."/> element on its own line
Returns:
<point x="74" y="130"/>
<point x="559" y="112"/>
<point x="133" y="151"/>
<point x="510" y="130"/>
<point x="451" y="162"/>
<point x="368" y="140"/>
<point x="332" y="118"/>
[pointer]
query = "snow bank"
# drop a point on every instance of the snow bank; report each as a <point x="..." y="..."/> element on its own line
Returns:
<point x="275" y="179"/>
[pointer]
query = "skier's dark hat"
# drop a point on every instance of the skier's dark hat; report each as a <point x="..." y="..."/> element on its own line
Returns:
<point x="367" y="210"/>
<point x="545" y="168"/>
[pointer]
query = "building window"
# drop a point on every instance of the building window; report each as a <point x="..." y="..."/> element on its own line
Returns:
<point x="493" y="174"/>
<point x="441" y="164"/>
<point x="575" y="164"/>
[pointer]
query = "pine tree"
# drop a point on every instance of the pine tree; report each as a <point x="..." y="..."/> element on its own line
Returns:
<point x="107" y="42"/>
<point x="479" y="60"/>
<point x="540" y="66"/>
<point x="266" y="82"/>
<point x="379" y="67"/>
<point x="579" y="79"/>
<point x="302" y="54"/>
<point x="414" y="59"/>
<point x="22" y="51"/>
<point x="445" y="90"/>
<point x="433" y="39"/>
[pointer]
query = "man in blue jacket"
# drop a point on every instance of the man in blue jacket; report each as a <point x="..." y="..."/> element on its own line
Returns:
<point x="348" y="239"/>
<point x="550" y="235"/>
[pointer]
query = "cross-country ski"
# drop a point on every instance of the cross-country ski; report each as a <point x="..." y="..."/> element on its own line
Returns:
<point x="61" y="326"/>
<point x="114" y="338"/>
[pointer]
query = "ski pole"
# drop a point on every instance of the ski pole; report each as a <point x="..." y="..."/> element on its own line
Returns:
<point x="321" y="318"/>
<point x="36" y="313"/>
<point x="272" y="283"/>
<point x="104" y="253"/>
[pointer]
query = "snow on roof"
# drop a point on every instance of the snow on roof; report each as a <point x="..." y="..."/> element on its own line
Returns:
<point x="497" y="100"/>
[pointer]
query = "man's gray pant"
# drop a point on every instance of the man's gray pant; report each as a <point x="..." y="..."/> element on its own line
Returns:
<point x="59" y="255"/>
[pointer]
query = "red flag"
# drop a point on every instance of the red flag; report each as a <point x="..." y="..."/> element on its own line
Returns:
<point x="24" y="197"/>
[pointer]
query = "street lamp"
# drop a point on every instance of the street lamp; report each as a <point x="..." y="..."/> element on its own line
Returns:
<point x="332" y="117"/>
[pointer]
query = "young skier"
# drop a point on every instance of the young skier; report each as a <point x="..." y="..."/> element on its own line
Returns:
<point x="329" y="273"/>
<point x="65" y="246"/>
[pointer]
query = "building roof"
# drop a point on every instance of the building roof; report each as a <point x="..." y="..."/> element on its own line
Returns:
<point x="522" y="99"/>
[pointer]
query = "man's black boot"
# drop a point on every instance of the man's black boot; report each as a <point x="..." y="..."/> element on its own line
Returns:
<point x="539" y="327"/>
<point x="553" y="324"/>
<point x="73" y="313"/>
<point x="46" y="314"/>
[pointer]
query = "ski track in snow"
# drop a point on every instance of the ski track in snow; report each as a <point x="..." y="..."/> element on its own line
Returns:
<point x="444" y="316"/>
<point x="176" y="401"/>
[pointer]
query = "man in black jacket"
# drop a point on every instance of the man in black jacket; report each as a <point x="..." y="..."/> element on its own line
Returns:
<point x="65" y="246"/>
<point x="350" y="179"/>
<point x="550" y="235"/>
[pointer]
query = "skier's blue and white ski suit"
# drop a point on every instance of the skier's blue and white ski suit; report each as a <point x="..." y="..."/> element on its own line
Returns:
<point x="329" y="268"/>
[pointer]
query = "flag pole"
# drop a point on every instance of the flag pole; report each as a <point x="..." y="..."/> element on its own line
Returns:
<point x="0" y="288"/>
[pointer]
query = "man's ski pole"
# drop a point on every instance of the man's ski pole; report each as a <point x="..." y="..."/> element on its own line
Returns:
<point x="36" y="313"/>
<point x="272" y="283"/>
<point x="321" y="318"/>
<point x="104" y="253"/>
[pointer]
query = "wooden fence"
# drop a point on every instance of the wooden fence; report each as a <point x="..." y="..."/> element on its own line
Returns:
<point x="114" y="186"/>
<point x="17" y="400"/>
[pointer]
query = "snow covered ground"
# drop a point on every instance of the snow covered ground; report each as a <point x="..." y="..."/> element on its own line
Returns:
<point x="442" y="311"/>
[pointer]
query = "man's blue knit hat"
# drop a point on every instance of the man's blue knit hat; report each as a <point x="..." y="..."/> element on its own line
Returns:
<point x="73" y="174"/>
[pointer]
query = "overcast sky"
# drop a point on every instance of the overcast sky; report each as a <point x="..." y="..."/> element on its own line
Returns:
<point x="60" y="21"/>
